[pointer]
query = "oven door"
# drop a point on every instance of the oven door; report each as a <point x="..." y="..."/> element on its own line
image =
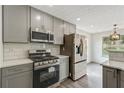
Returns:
<point x="45" y="77"/>
<point x="39" y="36"/>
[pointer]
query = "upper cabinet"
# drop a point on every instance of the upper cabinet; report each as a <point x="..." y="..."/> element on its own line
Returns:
<point x="72" y="28"/>
<point x="69" y="28"/>
<point x="18" y="20"/>
<point x="48" y="23"/>
<point x="37" y="20"/>
<point x="16" y="23"/>
<point x="58" y="31"/>
<point x="66" y="28"/>
<point x="41" y="21"/>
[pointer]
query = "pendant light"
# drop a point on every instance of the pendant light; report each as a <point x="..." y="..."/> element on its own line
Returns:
<point x="115" y="36"/>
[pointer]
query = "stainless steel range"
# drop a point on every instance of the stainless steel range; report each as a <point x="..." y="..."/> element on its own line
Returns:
<point x="45" y="68"/>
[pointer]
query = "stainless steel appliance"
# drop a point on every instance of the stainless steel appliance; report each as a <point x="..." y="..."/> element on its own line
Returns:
<point x="45" y="68"/>
<point x="51" y="38"/>
<point x="37" y="36"/>
<point x="75" y="47"/>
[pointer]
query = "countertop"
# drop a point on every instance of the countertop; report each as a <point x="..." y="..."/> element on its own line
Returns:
<point x="61" y="56"/>
<point x="9" y="63"/>
<point x="114" y="64"/>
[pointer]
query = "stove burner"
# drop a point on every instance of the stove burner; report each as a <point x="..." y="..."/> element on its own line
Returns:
<point x="40" y="56"/>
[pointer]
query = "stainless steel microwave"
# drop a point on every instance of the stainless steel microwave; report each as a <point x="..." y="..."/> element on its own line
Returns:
<point x="51" y="38"/>
<point x="37" y="36"/>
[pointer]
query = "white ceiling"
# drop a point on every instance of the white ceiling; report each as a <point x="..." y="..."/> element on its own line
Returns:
<point x="94" y="18"/>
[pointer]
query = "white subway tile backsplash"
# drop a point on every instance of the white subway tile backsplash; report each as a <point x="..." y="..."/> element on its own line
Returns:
<point x="18" y="51"/>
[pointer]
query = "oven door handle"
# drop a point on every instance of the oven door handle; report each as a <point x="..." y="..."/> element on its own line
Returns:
<point x="41" y="67"/>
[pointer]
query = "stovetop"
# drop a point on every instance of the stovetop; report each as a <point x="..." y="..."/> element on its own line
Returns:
<point x="46" y="58"/>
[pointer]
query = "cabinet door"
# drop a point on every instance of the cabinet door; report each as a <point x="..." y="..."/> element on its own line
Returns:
<point x="72" y="28"/>
<point x="109" y="77"/>
<point x="64" y="68"/>
<point x="37" y="20"/>
<point x="20" y="80"/>
<point x="48" y="23"/>
<point x="121" y="79"/>
<point x="16" y="23"/>
<point x="0" y="79"/>
<point x="58" y="31"/>
<point x="66" y="28"/>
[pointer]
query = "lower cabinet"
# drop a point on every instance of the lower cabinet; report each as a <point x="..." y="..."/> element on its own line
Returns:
<point x="20" y="80"/>
<point x="109" y="77"/>
<point x="64" y="68"/>
<point x="113" y="78"/>
<point x="17" y="76"/>
<point x="121" y="79"/>
<point x="0" y="78"/>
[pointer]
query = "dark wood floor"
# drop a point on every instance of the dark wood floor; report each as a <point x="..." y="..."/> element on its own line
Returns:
<point x="93" y="79"/>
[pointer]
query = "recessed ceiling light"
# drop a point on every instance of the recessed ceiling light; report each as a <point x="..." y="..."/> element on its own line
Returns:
<point x="50" y="5"/>
<point x="78" y="19"/>
<point x="92" y="26"/>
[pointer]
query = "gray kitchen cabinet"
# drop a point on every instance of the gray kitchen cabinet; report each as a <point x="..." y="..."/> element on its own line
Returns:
<point x="16" y="23"/>
<point x="72" y="28"/>
<point x="58" y="31"/>
<point x="20" y="80"/>
<point x="37" y="20"/>
<point x="110" y="77"/>
<point x="20" y="76"/>
<point x="69" y="28"/>
<point x="48" y="23"/>
<point x="121" y="79"/>
<point x="0" y="78"/>
<point x="66" y="28"/>
<point x="64" y="68"/>
<point x="121" y="84"/>
<point x="41" y="21"/>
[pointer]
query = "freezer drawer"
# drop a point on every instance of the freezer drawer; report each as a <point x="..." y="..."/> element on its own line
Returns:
<point x="79" y="70"/>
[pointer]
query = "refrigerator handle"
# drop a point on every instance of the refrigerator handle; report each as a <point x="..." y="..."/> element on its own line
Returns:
<point x="81" y="61"/>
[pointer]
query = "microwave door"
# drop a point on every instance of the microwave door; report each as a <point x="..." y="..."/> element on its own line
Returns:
<point x="39" y="37"/>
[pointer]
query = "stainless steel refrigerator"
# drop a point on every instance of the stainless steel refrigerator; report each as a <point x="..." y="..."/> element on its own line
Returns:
<point x="75" y="46"/>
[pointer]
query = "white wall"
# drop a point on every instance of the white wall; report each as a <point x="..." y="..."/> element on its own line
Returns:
<point x="97" y="45"/>
<point x="88" y="36"/>
<point x="1" y="45"/>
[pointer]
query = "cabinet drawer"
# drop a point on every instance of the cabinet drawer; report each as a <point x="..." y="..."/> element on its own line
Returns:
<point x="16" y="69"/>
<point x="122" y="75"/>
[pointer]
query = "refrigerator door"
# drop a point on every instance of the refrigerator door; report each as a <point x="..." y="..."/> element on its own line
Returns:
<point x="80" y="48"/>
<point x="79" y="70"/>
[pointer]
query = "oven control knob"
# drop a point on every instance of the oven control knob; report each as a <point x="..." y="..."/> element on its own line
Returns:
<point x="55" y="61"/>
<point x="41" y="63"/>
<point x="36" y="64"/>
<point x="45" y="62"/>
<point x="50" y="61"/>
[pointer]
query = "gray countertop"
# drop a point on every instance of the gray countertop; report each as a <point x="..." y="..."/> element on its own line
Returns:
<point x="114" y="64"/>
<point x="9" y="63"/>
<point x="62" y="56"/>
